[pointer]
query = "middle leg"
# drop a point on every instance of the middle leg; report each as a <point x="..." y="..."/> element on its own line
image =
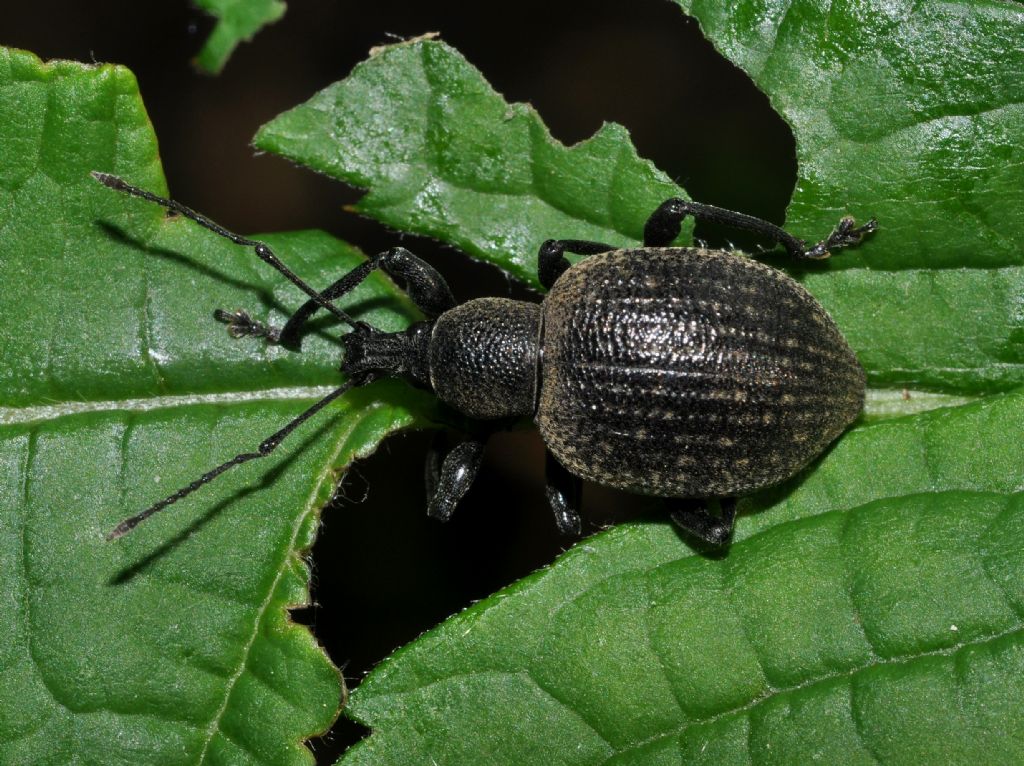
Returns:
<point x="448" y="479"/>
<point x="563" y="494"/>
<point x="551" y="260"/>
<point x="425" y="286"/>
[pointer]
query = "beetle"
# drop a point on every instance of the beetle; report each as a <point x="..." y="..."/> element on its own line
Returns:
<point x="681" y="372"/>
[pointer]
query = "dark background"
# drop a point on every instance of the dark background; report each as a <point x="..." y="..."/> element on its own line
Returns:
<point x="382" y="572"/>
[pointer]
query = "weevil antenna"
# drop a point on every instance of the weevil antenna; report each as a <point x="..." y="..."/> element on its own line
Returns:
<point x="267" y="446"/>
<point x="262" y="249"/>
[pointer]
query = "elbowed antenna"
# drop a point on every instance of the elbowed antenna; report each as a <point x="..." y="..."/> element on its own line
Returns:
<point x="267" y="446"/>
<point x="262" y="249"/>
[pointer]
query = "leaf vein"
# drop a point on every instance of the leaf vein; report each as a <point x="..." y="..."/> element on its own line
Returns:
<point x="856" y="718"/>
<point x="567" y="706"/>
<point x="745" y="709"/>
<point x="1007" y="598"/>
<point x="12" y="415"/>
<point x="662" y="666"/>
<point x="215" y="723"/>
<point x="30" y="451"/>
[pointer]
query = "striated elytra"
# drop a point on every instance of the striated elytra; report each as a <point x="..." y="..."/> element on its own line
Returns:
<point x="690" y="373"/>
<point x="686" y="373"/>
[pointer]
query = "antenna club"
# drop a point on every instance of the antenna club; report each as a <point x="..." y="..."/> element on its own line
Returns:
<point x="108" y="180"/>
<point x="122" y="529"/>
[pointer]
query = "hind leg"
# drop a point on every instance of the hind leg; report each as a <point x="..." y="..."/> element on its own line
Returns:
<point x="706" y="526"/>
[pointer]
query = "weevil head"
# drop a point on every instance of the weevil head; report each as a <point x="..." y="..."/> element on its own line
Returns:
<point x="372" y="352"/>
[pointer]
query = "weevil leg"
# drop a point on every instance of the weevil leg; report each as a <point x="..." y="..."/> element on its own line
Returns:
<point x="846" y="234"/>
<point x="551" y="260"/>
<point x="450" y="480"/>
<point x="425" y="286"/>
<point x="241" y="325"/>
<point x="563" y="493"/>
<point x="706" y="526"/>
<point x="663" y="227"/>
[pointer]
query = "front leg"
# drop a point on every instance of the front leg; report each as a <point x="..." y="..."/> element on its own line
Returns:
<point x="449" y="480"/>
<point x="423" y="284"/>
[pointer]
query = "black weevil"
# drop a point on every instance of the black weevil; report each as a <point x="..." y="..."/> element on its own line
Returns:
<point x="672" y="371"/>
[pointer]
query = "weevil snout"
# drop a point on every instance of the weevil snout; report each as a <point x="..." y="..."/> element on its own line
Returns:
<point x="369" y="350"/>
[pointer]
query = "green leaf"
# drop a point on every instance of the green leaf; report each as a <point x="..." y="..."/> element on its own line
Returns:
<point x="173" y="645"/>
<point x="932" y="147"/>
<point x="442" y="154"/>
<point x="237" y="21"/>
<point x="873" y="612"/>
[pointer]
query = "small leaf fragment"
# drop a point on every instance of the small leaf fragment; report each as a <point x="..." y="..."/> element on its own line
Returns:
<point x="237" y="21"/>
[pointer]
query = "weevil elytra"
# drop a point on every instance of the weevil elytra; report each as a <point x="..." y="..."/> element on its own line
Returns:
<point x="680" y="372"/>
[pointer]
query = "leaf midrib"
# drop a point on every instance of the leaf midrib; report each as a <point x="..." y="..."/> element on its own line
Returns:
<point x="47" y="412"/>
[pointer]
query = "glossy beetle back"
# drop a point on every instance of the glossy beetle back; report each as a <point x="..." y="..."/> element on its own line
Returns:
<point x="690" y="373"/>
